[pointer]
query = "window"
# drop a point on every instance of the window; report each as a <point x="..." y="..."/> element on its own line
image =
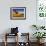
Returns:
<point x="41" y="8"/>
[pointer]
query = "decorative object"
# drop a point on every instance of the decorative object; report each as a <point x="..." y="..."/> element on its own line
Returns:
<point x="17" y="13"/>
<point x="14" y="30"/>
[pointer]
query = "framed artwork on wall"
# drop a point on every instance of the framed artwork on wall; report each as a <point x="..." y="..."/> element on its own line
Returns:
<point x="17" y="13"/>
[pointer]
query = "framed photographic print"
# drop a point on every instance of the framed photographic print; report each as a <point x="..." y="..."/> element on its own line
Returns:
<point x="17" y="13"/>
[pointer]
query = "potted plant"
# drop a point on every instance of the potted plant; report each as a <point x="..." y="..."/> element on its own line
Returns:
<point x="39" y="35"/>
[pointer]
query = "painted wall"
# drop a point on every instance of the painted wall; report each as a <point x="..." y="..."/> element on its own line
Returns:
<point x="24" y="25"/>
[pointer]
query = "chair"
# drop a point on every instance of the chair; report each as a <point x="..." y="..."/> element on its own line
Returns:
<point x="25" y="37"/>
<point x="14" y="32"/>
<point x="7" y="35"/>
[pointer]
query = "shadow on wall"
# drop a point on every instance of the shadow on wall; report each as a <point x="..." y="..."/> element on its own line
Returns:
<point x="7" y="31"/>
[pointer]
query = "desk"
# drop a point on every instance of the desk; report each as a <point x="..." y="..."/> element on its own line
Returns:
<point x="8" y="34"/>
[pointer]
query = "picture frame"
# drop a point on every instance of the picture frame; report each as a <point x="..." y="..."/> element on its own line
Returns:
<point x="18" y="13"/>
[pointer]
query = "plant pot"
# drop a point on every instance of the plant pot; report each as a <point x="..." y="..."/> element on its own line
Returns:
<point x="42" y="40"/>
<point x="38" y="40"/>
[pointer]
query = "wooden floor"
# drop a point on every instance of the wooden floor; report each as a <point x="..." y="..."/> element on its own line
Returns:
<point x="13" y="44"/>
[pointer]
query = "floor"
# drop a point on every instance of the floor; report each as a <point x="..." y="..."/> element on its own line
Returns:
<point x="13" y="44"/>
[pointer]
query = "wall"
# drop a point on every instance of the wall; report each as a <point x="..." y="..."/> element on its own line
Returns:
<point x="24" y="25"/>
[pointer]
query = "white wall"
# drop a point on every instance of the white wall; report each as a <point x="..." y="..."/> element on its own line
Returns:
<point x="5" y="21"/>
<point x="24" y="25"/>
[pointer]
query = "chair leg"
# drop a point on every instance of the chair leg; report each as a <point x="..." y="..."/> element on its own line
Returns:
<point x="5" y="43"/>
<point x="5" y="40"/>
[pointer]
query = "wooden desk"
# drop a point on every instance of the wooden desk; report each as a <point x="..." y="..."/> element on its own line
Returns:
<point x="8" y="34"/>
